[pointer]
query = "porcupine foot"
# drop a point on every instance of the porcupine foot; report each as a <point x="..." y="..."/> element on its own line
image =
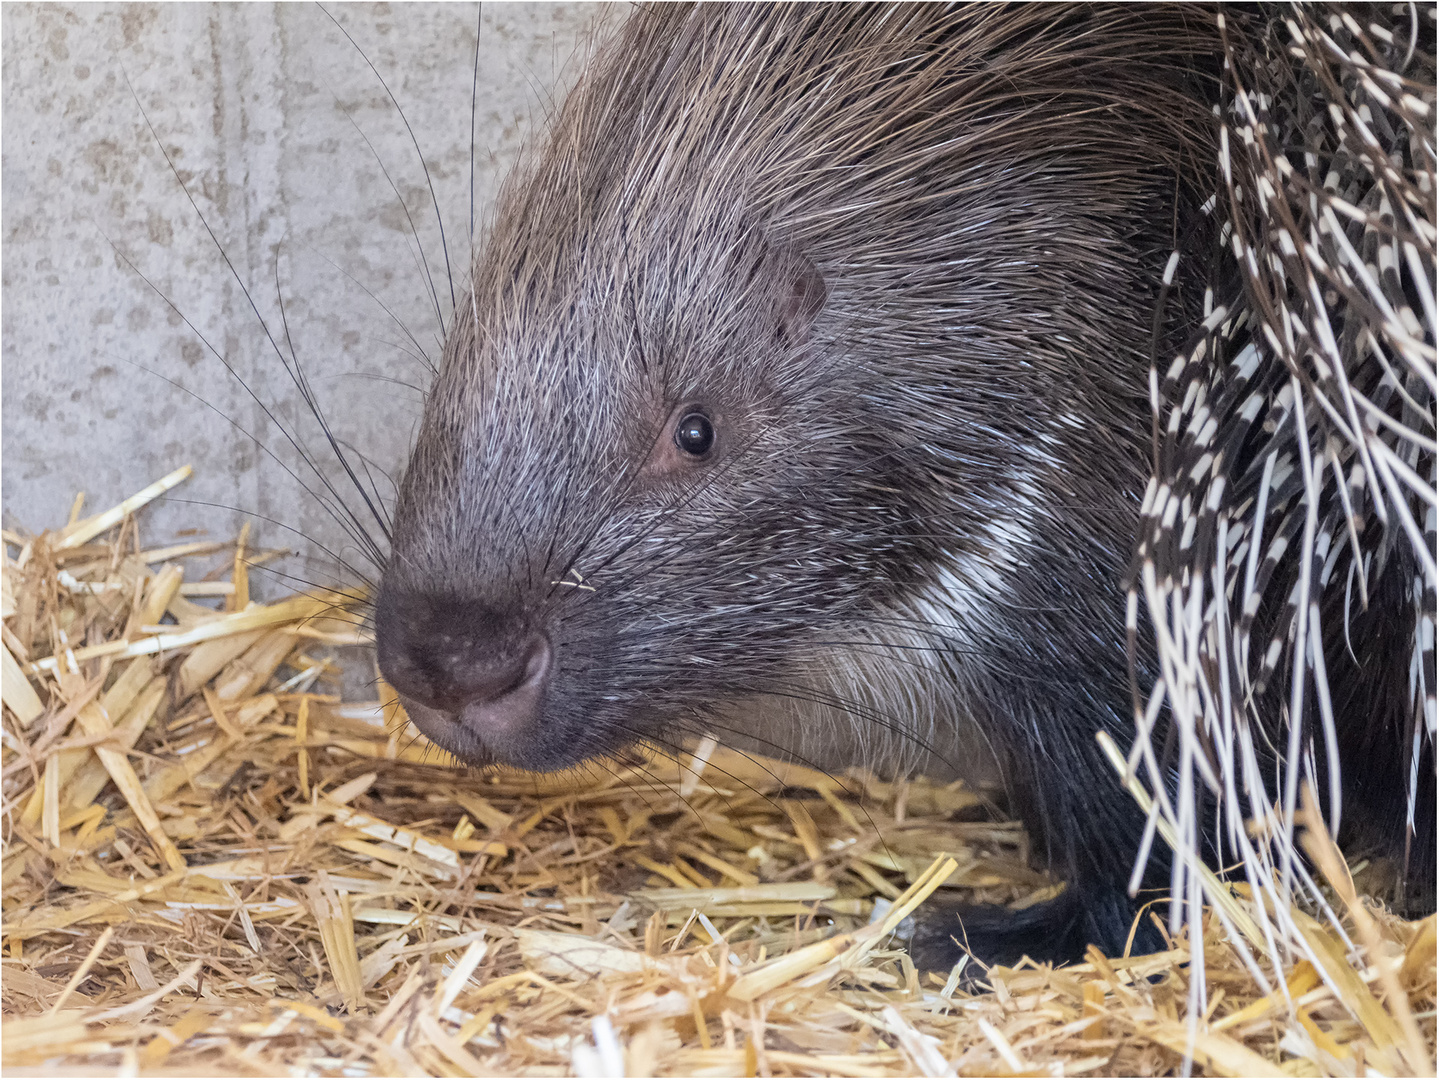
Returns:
<point x="1057" y="931"/>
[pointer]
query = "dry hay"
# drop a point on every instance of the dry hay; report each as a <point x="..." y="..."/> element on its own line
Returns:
<point x="212" y="864"/>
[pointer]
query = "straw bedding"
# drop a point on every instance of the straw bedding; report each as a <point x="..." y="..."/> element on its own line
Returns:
<point x="213" y="864"/>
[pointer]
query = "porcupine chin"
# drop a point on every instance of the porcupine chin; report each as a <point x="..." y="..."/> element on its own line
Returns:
<point x="799" y="397"/>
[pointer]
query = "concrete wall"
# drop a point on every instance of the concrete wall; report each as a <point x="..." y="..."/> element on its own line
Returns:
<point x="265" y="112"/>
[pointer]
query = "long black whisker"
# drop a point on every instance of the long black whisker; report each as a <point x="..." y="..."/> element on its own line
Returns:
<point x="371" y="467"/>
<point x="338" y="559"/>
<point x="474" y="114"/>
<point x="419" y="354"/>
<point x="308" y="395"/>
<point x="362" y="537"/>
<point x="347" y="525"/>
<point x="390" y="379"/>
<point x="444" y="246"/>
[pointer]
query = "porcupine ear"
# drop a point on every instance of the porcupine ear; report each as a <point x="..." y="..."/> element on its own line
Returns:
<point x="801" y="298"/>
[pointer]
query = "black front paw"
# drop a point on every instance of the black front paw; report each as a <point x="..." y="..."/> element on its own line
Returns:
<point x="1056" y="931"/>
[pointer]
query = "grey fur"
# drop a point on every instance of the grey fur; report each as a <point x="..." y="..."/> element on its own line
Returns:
<point x="897" y="484"/>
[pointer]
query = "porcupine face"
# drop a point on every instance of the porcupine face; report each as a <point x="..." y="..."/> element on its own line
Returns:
<point x="641" y="495"/>
<point x="608" y="521"/>
<point x="747" y="405"/>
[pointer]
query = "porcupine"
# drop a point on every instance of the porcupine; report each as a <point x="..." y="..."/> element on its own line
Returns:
<point x="799" y="397"/>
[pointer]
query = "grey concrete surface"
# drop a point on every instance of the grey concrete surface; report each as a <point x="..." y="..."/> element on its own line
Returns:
<point x="117" y="305"/>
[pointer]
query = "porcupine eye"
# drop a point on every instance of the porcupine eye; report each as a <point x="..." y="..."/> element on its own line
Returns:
<point x="695" y="435"/>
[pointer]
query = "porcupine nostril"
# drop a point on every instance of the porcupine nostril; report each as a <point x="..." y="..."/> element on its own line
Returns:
<point x="477" y="665"/>
<point x="518" y="703"/>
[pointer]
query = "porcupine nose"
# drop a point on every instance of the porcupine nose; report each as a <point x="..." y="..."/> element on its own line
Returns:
<point x="476" y="666"/>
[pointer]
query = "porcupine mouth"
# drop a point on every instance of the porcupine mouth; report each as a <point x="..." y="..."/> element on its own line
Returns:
<point x="476" y="742"/>
<point x="449" y="732"/>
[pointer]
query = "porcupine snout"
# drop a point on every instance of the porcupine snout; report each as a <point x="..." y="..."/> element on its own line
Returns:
<point x="464" y="664"/>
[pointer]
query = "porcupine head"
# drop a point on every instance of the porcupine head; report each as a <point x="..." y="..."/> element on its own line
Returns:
<point x="790" y="400"/>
